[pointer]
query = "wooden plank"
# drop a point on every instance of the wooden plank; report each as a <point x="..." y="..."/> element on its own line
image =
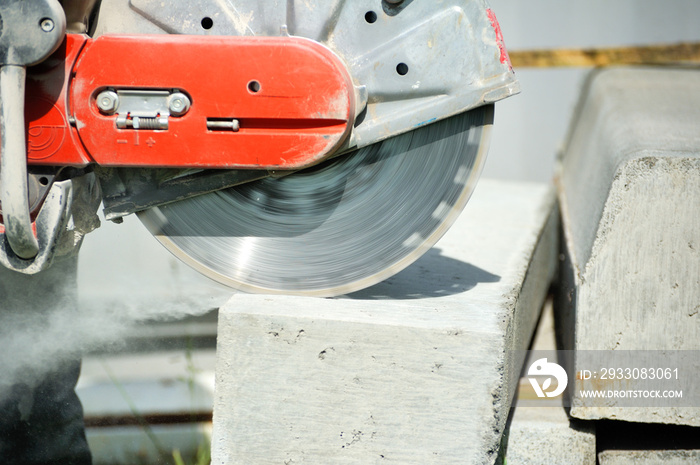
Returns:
<point x="662" y="54"/>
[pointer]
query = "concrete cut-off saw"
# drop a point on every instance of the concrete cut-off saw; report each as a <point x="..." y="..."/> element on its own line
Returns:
<point x="280" y="146"/>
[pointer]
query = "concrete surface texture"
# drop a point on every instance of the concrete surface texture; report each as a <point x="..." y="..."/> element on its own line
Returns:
<point x="418" y="369"/>
<point x="629" y="189"/>
<point x="646" y="457"/>
<point x="546" y="436"/>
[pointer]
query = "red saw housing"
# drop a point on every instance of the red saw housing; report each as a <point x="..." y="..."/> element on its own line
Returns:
<point x="254" y="102"/>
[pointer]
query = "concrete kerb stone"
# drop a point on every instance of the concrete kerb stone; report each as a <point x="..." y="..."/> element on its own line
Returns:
<point x="418" y="369"/>
<point x="629" y="190"/>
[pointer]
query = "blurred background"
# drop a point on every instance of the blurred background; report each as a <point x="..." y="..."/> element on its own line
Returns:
<point x="153" y="364"/>
<point x="530" y="128"/>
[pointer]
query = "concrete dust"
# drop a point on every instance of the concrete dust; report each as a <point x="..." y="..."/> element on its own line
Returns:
<point x="60" y="314"/>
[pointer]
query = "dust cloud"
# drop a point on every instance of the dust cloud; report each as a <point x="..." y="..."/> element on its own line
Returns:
<point x="124" y="279"/>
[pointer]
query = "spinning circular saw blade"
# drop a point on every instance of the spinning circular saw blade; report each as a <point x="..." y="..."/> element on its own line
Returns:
<point x="338" y="227"/>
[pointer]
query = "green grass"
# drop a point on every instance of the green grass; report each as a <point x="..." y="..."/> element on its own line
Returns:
<point x="202" y="455"/>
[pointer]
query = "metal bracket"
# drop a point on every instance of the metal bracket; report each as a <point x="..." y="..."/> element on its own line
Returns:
<point x="142" y="109"/>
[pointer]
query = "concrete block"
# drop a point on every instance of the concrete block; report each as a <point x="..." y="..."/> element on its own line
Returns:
<point x="418" y="369"/>
<point x="629" y="190"/>
<point x="544" y="435"/>
<point x="649" y="457"/>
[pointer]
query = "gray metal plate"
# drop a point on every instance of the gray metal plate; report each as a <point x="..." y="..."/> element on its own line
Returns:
<point x="339" y="227"/>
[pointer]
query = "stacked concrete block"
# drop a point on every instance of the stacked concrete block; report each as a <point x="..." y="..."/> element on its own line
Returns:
<point x="629" y="191"/>
<point x="544" y="434"/>
<point x="421" y="368"/>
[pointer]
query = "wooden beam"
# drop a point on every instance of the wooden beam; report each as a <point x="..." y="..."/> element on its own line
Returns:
<point x="669" y="54"/>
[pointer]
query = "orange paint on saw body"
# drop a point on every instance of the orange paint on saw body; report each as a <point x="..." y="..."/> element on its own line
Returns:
<point x="292" y="98"/>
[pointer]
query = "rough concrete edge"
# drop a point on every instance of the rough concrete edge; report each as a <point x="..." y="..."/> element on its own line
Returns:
<point x="566" y="237"/>
<point x="584" y="430"/>
<point x="572" y="273"/>
<point x="626" y="173"/>
<point x="552" y="228"/>
<point x="643" y="415"/>
<point x="650" y="457"/>
<point x="592" y="157"/>
<point x="572" y="152"/>
<point x="220" y="367"/>
<point x="527" y="302"/>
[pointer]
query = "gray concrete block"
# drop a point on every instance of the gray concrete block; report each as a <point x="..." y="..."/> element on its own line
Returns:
<point x="649" y="457"/>
<point x="544" y="435"/>
<point x="629" y="189"/>
<point x="418" y="369"/>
